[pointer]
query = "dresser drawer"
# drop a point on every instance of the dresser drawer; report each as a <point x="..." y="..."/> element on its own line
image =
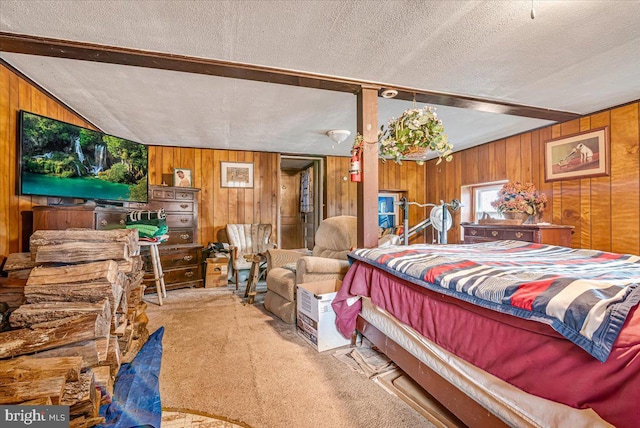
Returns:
<point x="176" y="207"/>
<point x="180" y="259"/>
<point x="180" y="220"/>
<point x="180" y="236"/>
<point x="519" y="235"/>
<point x="163" y="194"/>
<point x="184" y="196"/>
<point x="192" y="273"/>
<point x="473" y="232"/>
<point x="109" y="220"/>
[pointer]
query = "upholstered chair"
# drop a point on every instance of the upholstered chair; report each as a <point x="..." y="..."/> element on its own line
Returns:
<point x="247" y="240"/>
<point x="335" y="237"/>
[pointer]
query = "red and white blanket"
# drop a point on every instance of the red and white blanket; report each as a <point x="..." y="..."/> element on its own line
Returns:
<point x="585" y="295"/>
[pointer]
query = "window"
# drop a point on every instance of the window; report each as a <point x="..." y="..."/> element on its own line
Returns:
<point x="476" y="200"/>
<point x="482" y="198"/>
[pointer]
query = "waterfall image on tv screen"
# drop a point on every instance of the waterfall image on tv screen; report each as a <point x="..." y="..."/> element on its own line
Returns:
<point x="64" y="160"/>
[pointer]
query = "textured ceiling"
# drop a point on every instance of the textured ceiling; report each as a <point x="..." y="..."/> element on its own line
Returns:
<point x="577" y="56"/>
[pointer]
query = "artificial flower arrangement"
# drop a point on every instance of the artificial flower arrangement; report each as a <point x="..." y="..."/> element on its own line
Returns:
<point x="520" y="198"/>
<point x="415" y="132"/>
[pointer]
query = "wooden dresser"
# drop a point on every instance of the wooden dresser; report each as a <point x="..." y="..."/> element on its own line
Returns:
<point x="60" y="217"/>
<point x="181" y="255"/>
<point x="551" y="234"/>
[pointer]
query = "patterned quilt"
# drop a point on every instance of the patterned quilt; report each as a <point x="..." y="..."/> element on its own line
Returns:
<point x="585" y="295"/>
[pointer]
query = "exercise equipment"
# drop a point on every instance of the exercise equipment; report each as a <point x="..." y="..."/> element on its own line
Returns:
<point x="439" y="218"/>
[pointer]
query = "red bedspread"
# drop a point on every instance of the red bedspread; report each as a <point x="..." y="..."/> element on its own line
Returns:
<point x="527" y="354"/>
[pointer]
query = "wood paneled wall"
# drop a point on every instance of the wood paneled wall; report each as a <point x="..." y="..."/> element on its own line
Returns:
<point x="603" y="210"/>
<point x="18" y="94"/>
<point x="217" y="205"/>
<point x="341" y="193"/>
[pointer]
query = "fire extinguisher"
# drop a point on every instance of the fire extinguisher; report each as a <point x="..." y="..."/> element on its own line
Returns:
<point x="355" y="168"/>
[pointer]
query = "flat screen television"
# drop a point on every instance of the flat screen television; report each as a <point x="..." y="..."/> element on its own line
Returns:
<point x="58" y="159"/>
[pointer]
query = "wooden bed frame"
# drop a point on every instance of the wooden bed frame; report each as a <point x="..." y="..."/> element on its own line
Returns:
<point x="459" y="403"/>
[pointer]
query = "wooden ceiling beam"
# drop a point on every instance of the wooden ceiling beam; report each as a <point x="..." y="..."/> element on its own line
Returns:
<point x="42" y="46"/>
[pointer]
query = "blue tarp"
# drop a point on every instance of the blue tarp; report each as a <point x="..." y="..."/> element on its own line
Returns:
<point x="136" y="393"/>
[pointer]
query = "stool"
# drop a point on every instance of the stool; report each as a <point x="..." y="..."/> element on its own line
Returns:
<point x="158" y="275"/>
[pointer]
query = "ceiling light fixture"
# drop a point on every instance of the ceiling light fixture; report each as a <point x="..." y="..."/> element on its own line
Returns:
<point x="389" y="93"/>
<point x="338" y="135"/>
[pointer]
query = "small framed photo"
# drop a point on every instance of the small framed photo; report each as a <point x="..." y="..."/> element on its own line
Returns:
<point x="182" y="177"/>
<point x="236" y="174"/>
<point x="577" y="156"/>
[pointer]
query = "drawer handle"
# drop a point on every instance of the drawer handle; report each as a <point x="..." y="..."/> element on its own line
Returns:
<point x="103" y="222"/>
<point x="184" y="220"/>
<point x="184" y="236"/>
<point x="188" y="274"/>
<point x="184" y="206"/>
<point x="518" y="234"/>
<point x="494" y="233"/>
<point x="187" y="258"/>
<point x="122" y="222"/>
<point x="184" y="195"/>
<point x="474" y="232"/>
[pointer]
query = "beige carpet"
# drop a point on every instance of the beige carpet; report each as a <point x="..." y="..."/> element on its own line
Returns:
<point x="225" y="358"/>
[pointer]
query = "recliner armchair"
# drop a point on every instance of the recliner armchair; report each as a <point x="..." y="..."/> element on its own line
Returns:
<point x="247" y="239"/>
<point x="335" y="237"/>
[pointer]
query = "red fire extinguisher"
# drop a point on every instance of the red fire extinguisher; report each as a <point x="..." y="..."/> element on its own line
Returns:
<point x="355" y="168"/>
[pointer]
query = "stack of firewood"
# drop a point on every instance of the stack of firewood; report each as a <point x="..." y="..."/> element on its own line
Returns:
<point x="82" y="310"/>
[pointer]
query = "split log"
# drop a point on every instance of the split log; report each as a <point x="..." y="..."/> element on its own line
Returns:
<point x="18" y="261"/>
<point x="81" y="252"/>
<point x="29" y="368"/>
<point x="88" y="350"/>
<point x="126" y="238"/>
<point x="12" y="292"/>
<point x="18" y="392"/>
<point x="98" y="271"/>
<point x="50" y="335"/>
<point x="136" y="345"/>
<point x="113" y="356"/>
<point x="80" y="396"/>
<point x="104" y="382"/>
<point x="44" y="401"/>
<point x="35" y="313"/>
<point x="102" y="345"/>
<point x="121" y="328"/>
<point x="132" y="265"/>
<point x="125" y="340"/>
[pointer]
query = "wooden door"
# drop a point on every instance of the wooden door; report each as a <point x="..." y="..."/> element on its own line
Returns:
<point x="291" y="226"/>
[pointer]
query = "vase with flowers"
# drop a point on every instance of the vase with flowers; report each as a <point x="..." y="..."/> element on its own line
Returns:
<point x="519" y="200"/>
<point x="412" y="135"/>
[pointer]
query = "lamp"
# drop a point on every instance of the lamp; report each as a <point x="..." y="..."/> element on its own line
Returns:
<point x="338" y="135"/>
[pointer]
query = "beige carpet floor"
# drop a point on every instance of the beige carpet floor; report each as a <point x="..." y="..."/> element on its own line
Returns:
<point x="225" y="358"/>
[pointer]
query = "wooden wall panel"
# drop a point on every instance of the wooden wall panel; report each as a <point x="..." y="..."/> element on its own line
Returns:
<point x="603" y="210"/>
<point x="17" y="94"/>
<point x="340" y="198"/>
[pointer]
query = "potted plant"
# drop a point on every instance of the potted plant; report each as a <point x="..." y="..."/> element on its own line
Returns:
<point x="519" y="200"/>
<point x="412" y="135"/>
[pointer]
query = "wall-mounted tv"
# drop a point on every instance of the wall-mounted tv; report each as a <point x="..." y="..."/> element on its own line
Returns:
<point x="58" y="159"/>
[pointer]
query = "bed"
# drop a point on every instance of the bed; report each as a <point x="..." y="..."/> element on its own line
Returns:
<point x="505" y="332"/>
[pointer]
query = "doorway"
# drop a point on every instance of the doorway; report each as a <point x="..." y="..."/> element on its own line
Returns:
<point x="300" y="200"/>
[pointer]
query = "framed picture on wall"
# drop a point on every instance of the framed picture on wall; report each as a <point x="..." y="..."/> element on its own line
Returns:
<point x="182" y="177"/>
<point x="236" y="174"/>
<point x="577" y="156"/>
